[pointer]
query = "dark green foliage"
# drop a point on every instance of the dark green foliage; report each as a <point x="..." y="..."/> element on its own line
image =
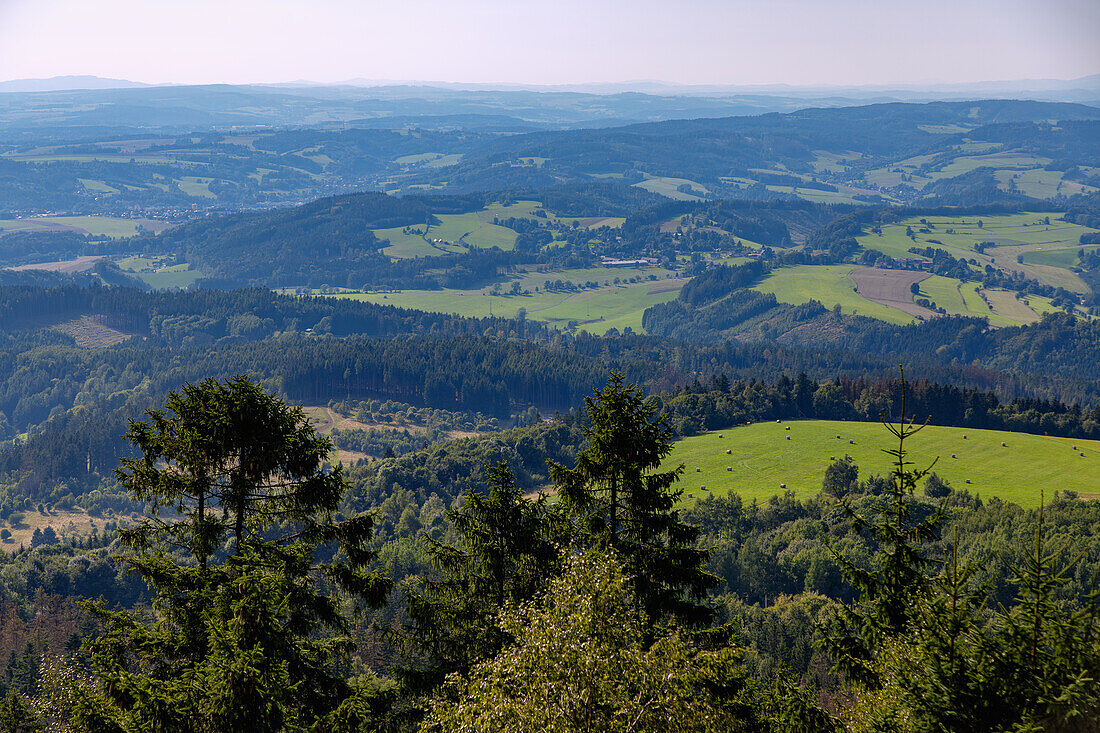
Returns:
<point x="505" y="554"/>
<point x="897" y="581"/>
<point x="626" y="505"/>
<point x="248" y="640"/>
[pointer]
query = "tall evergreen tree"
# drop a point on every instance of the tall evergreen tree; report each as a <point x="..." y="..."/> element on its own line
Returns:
<point x="626" y="504"/>
<point x="505" y="554"/>
<point x="251" y="639"/>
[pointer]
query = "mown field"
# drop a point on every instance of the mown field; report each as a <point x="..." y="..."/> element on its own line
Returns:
<point x="762" y="458"/>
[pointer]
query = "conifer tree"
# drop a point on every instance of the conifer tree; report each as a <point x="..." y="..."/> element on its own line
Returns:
<point x="505" y="554"/>
<point x="248" y="639"/>
<point x="624" y="503"/>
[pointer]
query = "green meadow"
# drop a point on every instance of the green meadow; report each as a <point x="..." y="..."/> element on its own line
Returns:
<point x="1047" y="251"/>
<point x="829" y="284"/>
<point x="595" y="310"/>
<point x="108" y="226"/>
<point x="761" y="458"/>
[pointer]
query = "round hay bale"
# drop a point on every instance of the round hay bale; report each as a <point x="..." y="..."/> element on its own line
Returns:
<point x="782" y="486"/>
<point x="729" y="468"/>
<point x="729" y="452"/>
<point x="778" y="421"/>
<point x="788" y="427"/>
<point x="1082" y="455"/>
<point x="851" y="442"/>
<point x="720" y="435"/>
<point x="954" y="456"/>
<point x="1003" y="444"/>
<point x="838" y="437"/>
<point x="968" y="481"/>
<point x="697" y="470"/>
<point x="964" y="437"/>
<point x="788" y="437"/>
<point x="832" y="458"/>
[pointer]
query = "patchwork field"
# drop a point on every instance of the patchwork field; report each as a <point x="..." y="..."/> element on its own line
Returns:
<point x="761" y="458"/>
<point x="1047" y="247"/>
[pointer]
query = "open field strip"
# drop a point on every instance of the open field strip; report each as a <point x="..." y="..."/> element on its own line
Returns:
<point x="761" y="458"/>
<point x="109" y="226"/>
<point x="594" y="310"/>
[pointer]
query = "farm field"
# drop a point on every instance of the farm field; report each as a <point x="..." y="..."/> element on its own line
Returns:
<point x="1026" y="235"/>
<point x="595" y="310"/>
<point x="831" y="285"/>
<point x="762" y="458"/>
<point x="159" y="274"/>
<point x="95" y="225"/>
<point x="670" y="187"/>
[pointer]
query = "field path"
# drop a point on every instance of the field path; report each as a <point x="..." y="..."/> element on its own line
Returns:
<point x="891" y="288"/>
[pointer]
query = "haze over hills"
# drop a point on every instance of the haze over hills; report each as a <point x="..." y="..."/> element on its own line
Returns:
<point x="420" y="362"/>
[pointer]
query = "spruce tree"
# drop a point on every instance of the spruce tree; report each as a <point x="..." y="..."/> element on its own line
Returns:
<point x="625" y="503"/>
<point x="245" y="639"/>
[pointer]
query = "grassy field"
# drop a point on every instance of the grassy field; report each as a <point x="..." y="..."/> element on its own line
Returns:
<point x="595" y="310"/>
<point x="959" y="298"/>
<point x="670" y="187"/>
<point x="65" y="523"/>
<point x="762" y="458"/>
<point x="95" y="225"/>
<point x="158" y="274"/>
<point x="1026" y="235"/>
<point x="829" y="284"/>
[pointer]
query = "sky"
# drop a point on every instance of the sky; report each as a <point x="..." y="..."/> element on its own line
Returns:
<point x="797" y="42"/>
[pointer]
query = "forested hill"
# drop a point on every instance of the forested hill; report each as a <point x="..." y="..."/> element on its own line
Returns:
<point x="708" y="150"/>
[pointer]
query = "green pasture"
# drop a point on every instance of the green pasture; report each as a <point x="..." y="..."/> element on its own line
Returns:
<point x="196" y="186"/>
<point x="97" y="186"/>
<point x="595" y="310"/>
<point x="666" y="186"/>
<point x="959" y="298"/>
<point x="162" y="275"/>
<point x="1024" y="234"/>
<point x="761" y="458"/>
<point x="829" y="284"/>
<point x="108" y="226"/>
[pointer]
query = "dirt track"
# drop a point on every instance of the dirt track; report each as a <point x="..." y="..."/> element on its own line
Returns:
<point x="891" y="288"/>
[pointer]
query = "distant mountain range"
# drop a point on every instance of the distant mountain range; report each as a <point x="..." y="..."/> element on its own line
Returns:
<point x="1084" y="89"/>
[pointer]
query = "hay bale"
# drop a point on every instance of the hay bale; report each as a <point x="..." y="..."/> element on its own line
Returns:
<point x="851" y="442"/>
<point x="782" y="486"/>
<point x="964" y="437"/>
<point x="954" y="456"/>
<point x="1003" y="444"/>
<point x="968" y="481"/>
<point x="1082" y="455"/>
<point x="838" y="436"/>
<point x="788" y="437"/>
<point x="729" y="452"/>
<point x="697" y="470"/>
<point x="832" y="458"/>
<point x="720" y="435"/>
<point x="778" y="421"/>
<point x="729" y="468"/>
<point x="788" y="427"/>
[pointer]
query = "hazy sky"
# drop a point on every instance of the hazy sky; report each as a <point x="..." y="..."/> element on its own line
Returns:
<point x="552" y="41"/>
